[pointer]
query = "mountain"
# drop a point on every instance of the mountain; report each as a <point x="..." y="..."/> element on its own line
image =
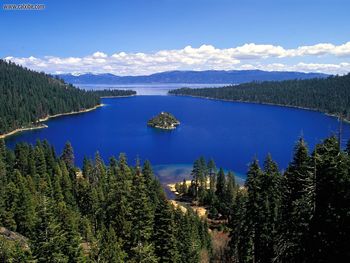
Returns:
<point x="198" y="77"/>
<point x="27" y="96"/>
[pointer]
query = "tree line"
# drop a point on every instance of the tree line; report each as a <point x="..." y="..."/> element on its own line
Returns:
<point x="299" y="215"/>
<point x="114" y="93"/>
<point x="27" y="96"/>
<point x="101" y="213"/>
<point x="330" y="95"/>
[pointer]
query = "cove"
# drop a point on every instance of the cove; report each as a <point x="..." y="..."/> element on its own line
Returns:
<point x="231" y="133"/>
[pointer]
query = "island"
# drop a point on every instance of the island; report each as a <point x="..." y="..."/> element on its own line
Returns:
<point x="164" y="120"/>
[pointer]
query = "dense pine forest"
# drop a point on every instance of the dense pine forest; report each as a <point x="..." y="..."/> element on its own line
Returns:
<point x="27" y="96"/>
<point x="113" y="213"/>
<point x="114" y="93"/>
<point x="330" y="95"/>
<point x="300" y="215"/>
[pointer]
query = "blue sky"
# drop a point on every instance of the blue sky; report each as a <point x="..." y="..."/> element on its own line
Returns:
<point x="79" y="29"/>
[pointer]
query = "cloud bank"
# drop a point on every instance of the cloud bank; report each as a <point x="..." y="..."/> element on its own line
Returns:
<point x="205" y="57"/>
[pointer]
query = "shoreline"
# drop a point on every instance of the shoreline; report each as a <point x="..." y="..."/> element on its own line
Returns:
<point x="69" y="113"/>
<point x="265" y="103"/>
<point x="42" y="126"/>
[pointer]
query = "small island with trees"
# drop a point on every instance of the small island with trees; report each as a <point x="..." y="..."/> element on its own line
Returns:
<point x="164" y="120"/>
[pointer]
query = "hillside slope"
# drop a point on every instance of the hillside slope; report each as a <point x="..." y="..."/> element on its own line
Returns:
<point x="330" y="95"/>
<point x="27" y="96"/>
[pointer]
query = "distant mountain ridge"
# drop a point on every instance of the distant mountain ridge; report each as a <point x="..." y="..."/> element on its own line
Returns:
<point x="194" y="77"/>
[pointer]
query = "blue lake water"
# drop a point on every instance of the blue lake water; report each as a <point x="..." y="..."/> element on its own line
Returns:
<point x="148" y="89"/>
<point x="231" y="133"/>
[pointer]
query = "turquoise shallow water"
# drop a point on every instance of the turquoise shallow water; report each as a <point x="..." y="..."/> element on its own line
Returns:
<point x="231" y="133"/>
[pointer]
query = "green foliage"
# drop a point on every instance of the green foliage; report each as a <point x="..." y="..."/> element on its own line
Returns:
<point x="302" y="216"/>
<point x="27" y="96"/>
<point x="13" y="251"/>
<point x="106" y="213"/>
<point x="114" y="93"/>
<point x="163" y="120"/>
<point x="330" y="95"/>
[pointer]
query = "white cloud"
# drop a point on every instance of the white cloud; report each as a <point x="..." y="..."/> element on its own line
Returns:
<point x="247" y="56"/>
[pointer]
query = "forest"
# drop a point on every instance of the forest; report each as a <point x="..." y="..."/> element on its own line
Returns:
<point x="330" y="95"/>
<point x="299" y="215"/>
<point x="114" y="93"/>
<point x="101" y="213"/>
<point x="27" y="96"/>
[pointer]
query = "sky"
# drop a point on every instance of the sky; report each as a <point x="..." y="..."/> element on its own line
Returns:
<point x="136" y="37"/>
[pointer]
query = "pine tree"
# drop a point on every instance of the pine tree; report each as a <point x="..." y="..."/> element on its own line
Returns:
<point x="270" y="206"/>
<point x="49" y="240"/>
<point x="68" y="155"/>
<point x="296" y="207"/>
<point x="237" y="222"/>
<point x="153" y="186"/>
<point x="254" y="211"/>
<point x="212" y="175"/>
<point x="87" y="169"/>
<point x="330" y="223"/>
<point x="164" y="235"/>
<point x="40" y="162"/>
<point x="230" y="190"/>
<point x="110" y="249"/>
<point x="196" y="175"/>
<point x="67" y="185"/>
<point x="10" y="206"/>
<point x="24" y="213"/>
<point x="220" y="185"/>
<point x="68" y="221"/>
<point x="142" y="218"/>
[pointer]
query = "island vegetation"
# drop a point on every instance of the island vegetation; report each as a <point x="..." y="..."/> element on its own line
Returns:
<point x="299" y="215"/>
<point x="164" y="120"/>
<point x="330" y="95"/>
<point x="52" y="211"/>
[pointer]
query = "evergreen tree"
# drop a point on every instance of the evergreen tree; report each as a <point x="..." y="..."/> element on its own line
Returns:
<point x="142" y="218"/>
<point x="212" y="175"/>
<point x="120" y="216"/>
<point x="230" y="191"/>
<point x="49" y="240"/>
<point x="110" y="249"/>
<point x="254" y="212"/>
<point x="165" y="233"/>
<point x="297" y="207"/>
<point x="330" y="227"/>
<point x="221" y="185"/>
<point x="68" y="155"/>
<point x="24" y="213"/>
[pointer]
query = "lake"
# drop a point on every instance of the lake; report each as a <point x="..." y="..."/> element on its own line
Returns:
<point x="229" y="132"/>
<point x="149" y="89"/>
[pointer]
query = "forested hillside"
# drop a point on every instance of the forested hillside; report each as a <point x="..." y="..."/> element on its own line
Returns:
<point x="302" y="215"/>
<point x="27" y="96"/>
<point x="330" y="95"/>
<point x="114" y="213"/>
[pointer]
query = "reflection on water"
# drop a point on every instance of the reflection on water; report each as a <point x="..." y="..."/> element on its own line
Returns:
<point x="148" y="89"/>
